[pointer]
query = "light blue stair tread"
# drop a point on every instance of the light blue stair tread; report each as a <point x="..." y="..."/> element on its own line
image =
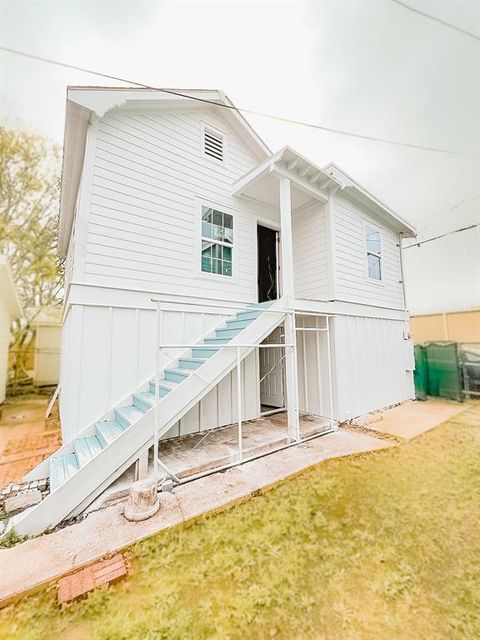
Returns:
<point x="62" y="468"/>
<point x="203" y="352"/>
<point x="128" y="414"/>
<point x="228" y="332"/>
<point x="180" y="371"/>
<point x="238" y="324"/>
<point x="216" y="340"/>
<point x="86" y="449"/>
<point x="164" y="385"/>
<point x="249" y="314"/>
<point x="108" y="431"/>
<point x="144" y="400"/>
<point x="191" y="363"/>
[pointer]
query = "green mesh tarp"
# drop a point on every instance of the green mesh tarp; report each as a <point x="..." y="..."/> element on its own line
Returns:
<point x="444" y="371"/>
<point x="420" y="375"/>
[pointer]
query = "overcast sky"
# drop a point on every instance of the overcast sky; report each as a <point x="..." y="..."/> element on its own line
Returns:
<point x="373" y="67"/>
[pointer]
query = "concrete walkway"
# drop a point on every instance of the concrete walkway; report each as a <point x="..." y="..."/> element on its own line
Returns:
<point x="36" y="562"/>
<point x="413" y="418"/>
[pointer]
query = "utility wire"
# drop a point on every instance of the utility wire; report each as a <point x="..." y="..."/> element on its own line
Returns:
<point x="222" y="105"/>
<point x="443" y="235"/>
<point x="435" y="19"/>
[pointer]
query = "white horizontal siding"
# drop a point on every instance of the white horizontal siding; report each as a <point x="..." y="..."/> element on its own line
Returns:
<point x="149" y="180"/>
<point x="352" y="282"/>
<point x="309" y="242"/>
<point x="372" y="362"/>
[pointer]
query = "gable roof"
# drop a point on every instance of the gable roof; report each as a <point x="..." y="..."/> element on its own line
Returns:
<point x="85" y="102"/>
<point x="8" y="291"/>
<point x="362" y="196"/>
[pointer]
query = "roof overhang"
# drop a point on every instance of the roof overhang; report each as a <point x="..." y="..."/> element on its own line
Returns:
<point x="364" y="198"/>
<point x="309" y="182"/>
<point x="8" y="290"/>
<point x="85" y="103"/>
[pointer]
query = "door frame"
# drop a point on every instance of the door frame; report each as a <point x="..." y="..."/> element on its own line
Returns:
<point x="269" y="224"/>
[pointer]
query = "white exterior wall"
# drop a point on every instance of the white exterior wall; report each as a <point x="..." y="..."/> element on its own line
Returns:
<point x="309" y="239"/>
<point x="352" y="283"/>
<point x="373" y="365"/>
<point x="150" y="179"/>
<point x="4" y="343"/>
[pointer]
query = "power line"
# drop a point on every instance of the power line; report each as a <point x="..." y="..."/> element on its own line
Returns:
<point x="222" y="105"/>
<point x="435" y="19"/>
<point x="443" y="235"/>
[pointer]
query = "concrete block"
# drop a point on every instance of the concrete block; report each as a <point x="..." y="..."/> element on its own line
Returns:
<point x="167" y="485"/>
<point x="20" y="502"/>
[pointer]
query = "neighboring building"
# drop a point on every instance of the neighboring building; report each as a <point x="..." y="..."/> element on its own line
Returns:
<point x="172" y="201"/>
<point x="454" y="326"/>
<point x="9" y="310"/>
<point x="47" y="327"/>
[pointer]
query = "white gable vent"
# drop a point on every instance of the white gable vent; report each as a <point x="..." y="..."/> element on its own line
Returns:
<point x="213" y="144"/>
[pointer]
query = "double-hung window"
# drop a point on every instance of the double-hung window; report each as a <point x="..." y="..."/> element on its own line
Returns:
<point x="374" y="252"/>
<point x="217" y="242"/>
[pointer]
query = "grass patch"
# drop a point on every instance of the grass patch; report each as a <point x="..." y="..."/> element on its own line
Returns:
<point x="383" y="545"/>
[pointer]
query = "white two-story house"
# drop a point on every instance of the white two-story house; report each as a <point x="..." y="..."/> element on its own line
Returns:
<point x="188" y="244"/>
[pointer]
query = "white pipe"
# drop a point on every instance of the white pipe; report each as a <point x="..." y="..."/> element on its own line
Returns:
<point x="210" y="472"/>
<point x="239" y="395"/>
<point x="223" y="346"/>
<point x="330" y="383"/>
<point x="157" y="397"/>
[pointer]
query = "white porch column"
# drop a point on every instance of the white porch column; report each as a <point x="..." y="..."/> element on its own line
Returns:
<point x="288" y="294"/>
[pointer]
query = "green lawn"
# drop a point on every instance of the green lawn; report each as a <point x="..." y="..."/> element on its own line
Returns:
<point x="381" y="546"/>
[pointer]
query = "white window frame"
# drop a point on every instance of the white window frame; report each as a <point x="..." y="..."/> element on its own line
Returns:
<point x="366" y="226"/>
<point x="231" y="212"/>
<point x="205" y="126"/>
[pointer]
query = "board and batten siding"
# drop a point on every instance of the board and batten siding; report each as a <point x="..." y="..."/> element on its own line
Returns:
<point x="309" y="241"/>
<point x="352" y="281"/>
<point x="373" y="365"/>
<point x="150" y="179"/>
<point x="109" y="351"/>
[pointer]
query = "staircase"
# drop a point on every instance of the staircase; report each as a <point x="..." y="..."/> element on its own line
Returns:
<point x="82" y="469"/>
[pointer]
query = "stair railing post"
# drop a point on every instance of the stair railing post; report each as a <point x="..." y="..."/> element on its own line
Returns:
<point x="239" y="394"/>
<point x="330" y="381"/>
<point x="157" y="394"/>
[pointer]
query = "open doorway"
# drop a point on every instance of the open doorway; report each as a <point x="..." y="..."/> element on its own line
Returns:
<point x="267" y="263"/>
<point x="272" y="373"/>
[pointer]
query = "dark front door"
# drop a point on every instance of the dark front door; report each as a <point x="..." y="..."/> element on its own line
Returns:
<point x="267" y="263"/>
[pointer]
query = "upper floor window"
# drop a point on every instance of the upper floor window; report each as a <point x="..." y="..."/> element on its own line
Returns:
<point x="374" y="252"/>
<point x="213" y="143"/>
<point x="217" y="241"/>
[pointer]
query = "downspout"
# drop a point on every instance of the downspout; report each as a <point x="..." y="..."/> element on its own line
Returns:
<point x="406" y="335"/>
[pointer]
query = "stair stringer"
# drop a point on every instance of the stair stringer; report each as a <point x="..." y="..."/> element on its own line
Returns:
<point x="76" y="493"/>
<point x="41" y="471"/>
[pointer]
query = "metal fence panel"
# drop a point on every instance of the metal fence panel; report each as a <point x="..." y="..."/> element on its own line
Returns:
<point x="444" y="370"/>
<point x="421" y="373"/>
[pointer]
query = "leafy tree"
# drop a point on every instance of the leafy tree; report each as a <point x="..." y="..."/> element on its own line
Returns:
<point x="29" y="203"/>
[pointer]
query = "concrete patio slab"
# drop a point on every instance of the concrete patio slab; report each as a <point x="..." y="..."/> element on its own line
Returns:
<point x="39" y="561"/>
<point x="413" y="418"/>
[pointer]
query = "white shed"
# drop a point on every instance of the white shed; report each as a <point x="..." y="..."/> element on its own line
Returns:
<point x="47" y="324"/>
<point x="9" y="309"/>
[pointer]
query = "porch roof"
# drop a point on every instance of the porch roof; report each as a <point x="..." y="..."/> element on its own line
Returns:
<point x="309" y="182"/>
